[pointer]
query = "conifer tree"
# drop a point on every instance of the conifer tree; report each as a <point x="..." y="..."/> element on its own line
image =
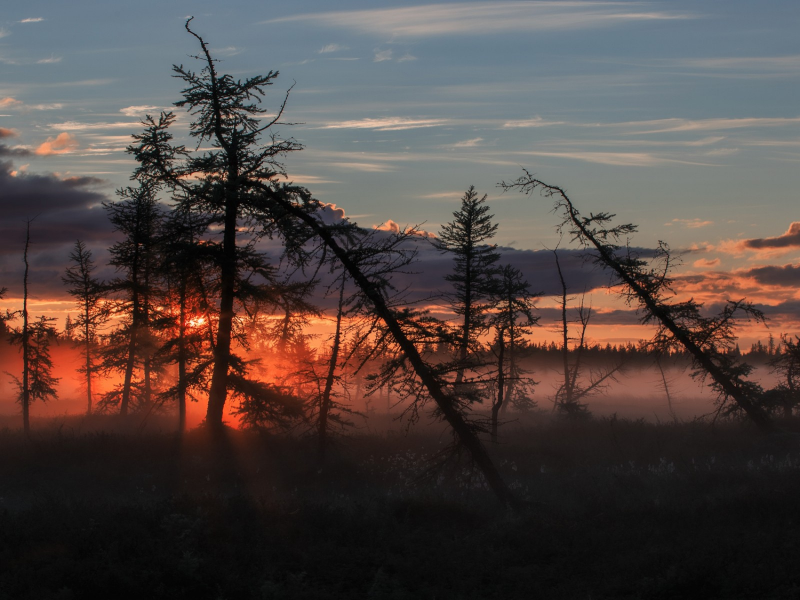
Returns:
<point x="234" y="183"/>
<point x="89" y="294"/>
<point x="473" y="273"/>
<point x="137" y="216"/>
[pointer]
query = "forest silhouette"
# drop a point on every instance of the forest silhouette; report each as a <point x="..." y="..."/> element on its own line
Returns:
<point x="298" y="482"/>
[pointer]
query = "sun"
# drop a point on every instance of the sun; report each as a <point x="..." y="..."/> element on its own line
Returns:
<point x="196" y="322"/>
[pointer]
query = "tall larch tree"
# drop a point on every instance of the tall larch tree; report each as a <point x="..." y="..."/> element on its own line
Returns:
<point x="89" y="294"/>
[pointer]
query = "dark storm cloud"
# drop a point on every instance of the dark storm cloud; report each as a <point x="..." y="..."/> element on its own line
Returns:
<point x="789" y="239"/>
<point x="63" y="210"/>
<point x="7" y="151"/>
<point x="784" y="276"/>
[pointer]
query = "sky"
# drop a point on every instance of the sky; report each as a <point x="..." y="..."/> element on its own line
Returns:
<point x="681" y="117"/>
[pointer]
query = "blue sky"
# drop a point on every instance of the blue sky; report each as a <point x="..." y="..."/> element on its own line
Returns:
<point x="680" y="116"/>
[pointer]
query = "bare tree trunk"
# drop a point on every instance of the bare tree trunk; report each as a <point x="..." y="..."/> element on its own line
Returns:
<point x="443" y="401"/>
<point x="88" y="352"/>
<point x="222" y="351"/>
<point x="182" y="357"/>
<point x="500" y="386"/>
<point x="325" y="401"/>
<point x="26" y="392"/>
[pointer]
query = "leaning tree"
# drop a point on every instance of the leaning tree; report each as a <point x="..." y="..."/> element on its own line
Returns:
<point x="647" y="285"/>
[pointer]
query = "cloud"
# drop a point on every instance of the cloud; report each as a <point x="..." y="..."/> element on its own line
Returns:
<point x="7" y="133"/>
<point x="32" y="20"/>
<point x="675" y="125"/>
<point x="468" y="143"/>
<point x="766" y="247"/>
<point x="63" y="143"/>
<point x="8" y="151"/>
<point x="482" y="18"/>
<point x="76" y="126"/>
<point x="618" y="159"/>
<point x="50" y="106"/>
<point x="783" y="276"/>
<point x="139" y="111"/>
<point x="364" y="167"/>
<point x="382" y="55"/>
<point x="332" y="48"/>
<point x="406" y="58"/>
<point x="706" y="263"/>
<point x="534" y="122"/>
<point x="9" y="102"/>
<point x="690" y="223"/>
<point x="386" y="124"/>
<point x="49" y="61"/>
<point x="4" y="32"/>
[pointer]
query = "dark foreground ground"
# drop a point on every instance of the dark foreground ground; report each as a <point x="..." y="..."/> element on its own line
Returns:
<point x="614" y="510"/>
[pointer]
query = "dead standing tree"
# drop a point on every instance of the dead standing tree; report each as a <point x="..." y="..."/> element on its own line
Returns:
<point x="679" y="324"/>
<point x="569" y="395"/>
<point x="295" y="202"/>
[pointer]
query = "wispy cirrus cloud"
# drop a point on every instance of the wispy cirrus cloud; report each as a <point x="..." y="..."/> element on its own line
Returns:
<point x="327" y="49"/>
<point x="382" y="55"/>
<point x="32" y="20"/>
<point x="534" y="122"/>
<point x="49" y="61"/>
<point x="617" y="159"/>
<point x="716" y="124"/>
<point x="139" y="110"/>
<point x="386" y="124"/>
<point x="690" y="223"/>
<point x="77" y="126"/>
<point x="486" y="17"/>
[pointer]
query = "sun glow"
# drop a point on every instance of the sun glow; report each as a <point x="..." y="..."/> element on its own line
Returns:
<point x="196" y="322"/>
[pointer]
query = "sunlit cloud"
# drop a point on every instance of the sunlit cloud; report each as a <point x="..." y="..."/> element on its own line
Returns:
<point x="4" y="32"/>
<point x="534" y="122"/>
<point x="387" y="124"/>
<point x="706" y="263"/>
<point x="617" y="159"/>
<point x="675" y="125"/>
<point x="50" y="106"/>
<point x="768" y="246"/>
<point x="76" y="126"/>
<point x="139" y="111"/>
<point x="63" y="143"/>
<point x="382" y="55"/>
<point x="32" y="20"/>
<point x="9" y="102"/>
<point x="690" y="223"/>
<point x="332" y="48"/>
<point x="49" y="61"/>
<point x="485" y="18"/>
<point x="227" y="51"/>
<point x="406" y="58"/>
<point x="364" y="167"/>
<point x="474" y="142"/>
<point x="7" y="133"/>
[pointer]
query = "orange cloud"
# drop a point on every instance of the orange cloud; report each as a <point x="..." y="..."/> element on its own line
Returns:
<point x="6" y="133"/>
<point x="61" y="144"/>
<point x="9" y="102"/>
<point x="706" y="263"/>
<point x="769" y="246"/>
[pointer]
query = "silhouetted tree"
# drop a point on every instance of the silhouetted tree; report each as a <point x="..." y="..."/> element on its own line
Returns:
<point x="234" y="184"/>
<point x="475" y="261"/>
<point x="137" y="216"/>
<point x="89" y="293"/>
<point x="513" y="304"/>
<point x="569" y="395"/>
<point x="708" y="340"/>
<point x="38" y="382"/>
<point x="785" y="397"/>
